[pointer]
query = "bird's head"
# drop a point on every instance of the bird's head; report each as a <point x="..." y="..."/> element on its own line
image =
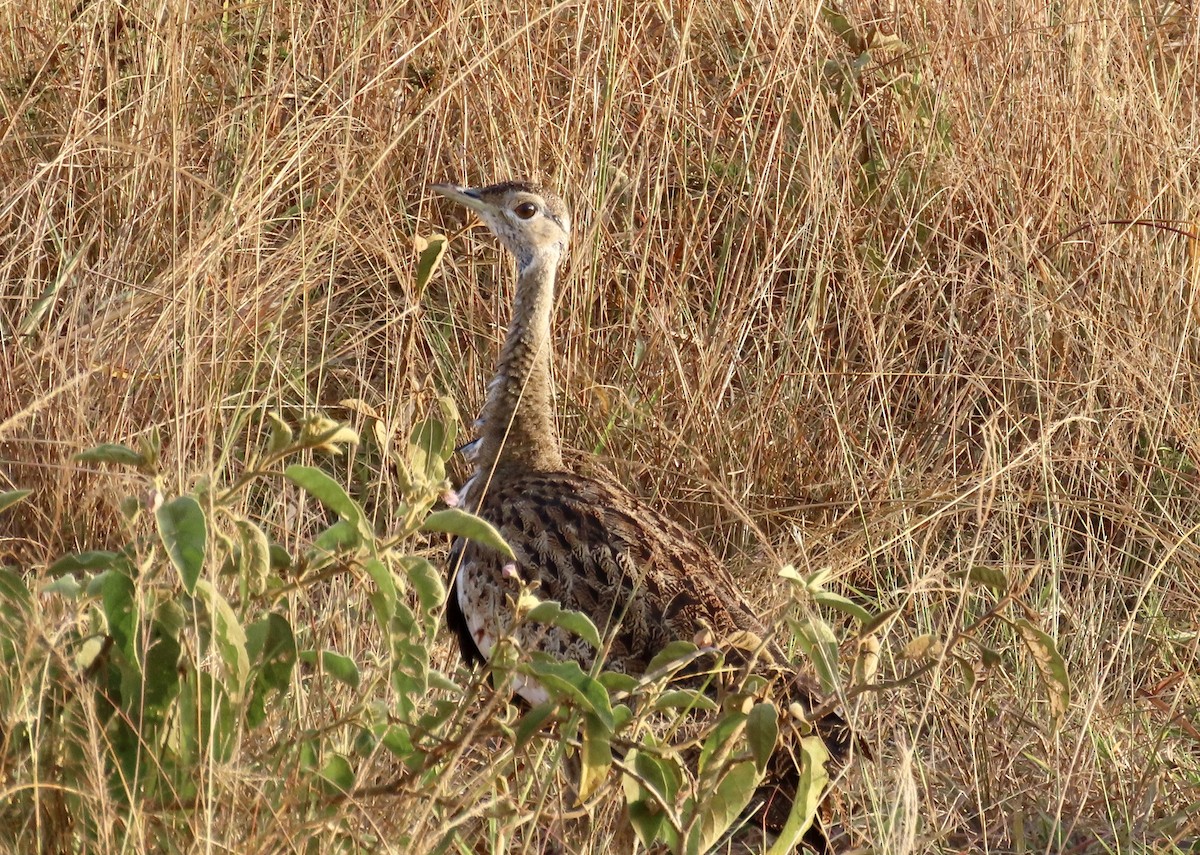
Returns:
<point x="531" y="222"/>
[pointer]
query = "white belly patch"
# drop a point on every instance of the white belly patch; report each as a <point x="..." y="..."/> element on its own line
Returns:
<point x="480" y="602"/>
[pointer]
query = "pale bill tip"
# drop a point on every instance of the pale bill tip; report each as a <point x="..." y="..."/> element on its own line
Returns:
<point x="462" y="195"/>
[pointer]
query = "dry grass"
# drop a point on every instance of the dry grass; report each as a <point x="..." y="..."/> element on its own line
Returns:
<point x="898" y="325"/>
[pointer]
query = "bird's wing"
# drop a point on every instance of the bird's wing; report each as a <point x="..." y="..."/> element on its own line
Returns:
<point x="641" y="578"/>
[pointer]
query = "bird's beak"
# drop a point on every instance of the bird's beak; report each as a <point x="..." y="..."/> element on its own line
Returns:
<point x="467" y="196"/>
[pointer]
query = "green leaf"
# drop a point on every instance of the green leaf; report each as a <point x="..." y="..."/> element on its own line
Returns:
<point x="256" y="555"/>
<point x="716" y="744"/>
<point x="95" y="585"/>
<point x="649" y="799"/>
<point x="208" y="729"/>
<point x="150" y="446"/>
<point x="789" y="573"/>
<point x="615" y="681"/>
<point x="1050" y="665"/>
<point x="813" y="780"/>
<point x="131" y="508"/>
<point x="119" y="598"/>
<point x="567" y="681"/>
<point x="184" y="534"/>
<point x="339" y="537"/>
<point x="532" y="721"/>
<point x="323" y="434"/>
<point x="990" y="656"/>
<point x="878" y="621"/>
<point x="762" y="732"/>
<point x="442" y="683"/>
<point x="622" y="715"/>
<point x="331" y="494"/>
<point x="383" y="598"/>
<point x="308" y="755"/>
<point x="450" y="422"/>
<point x="720" y="808"/>
<point x="428" y="451"/>
<point x="397" y="741"/>
<point x="41" y="307"/>
<point x="16" y="606"/>
<point x="91" y="650"/>
<point x="271" y="647"/>
<point x="341" y="668"/>
<point x="821" y="647"/>
<point x="281" y="434"/>
<point x="427" y="582"/>
<point x="170" y="618"/>
<point x="843" y="605"/>
<point x="383" y="578"/>
<point x="14" y="592"/>
<point x="443" y="709"/>
<point x="682" y="699"/>
<point x="595" y="757"/>
<point x="968" y="673"/>
<point x="404" y="618"/>
<point x="989" y="577"/>
<point x="111" y="453"/>
<point x="462" y="524"/>
<point x="673" y="657"/>
<point x="842" y="27"/>
<point x="7" y="500"/>
<point x="93" y="560"/>
<point x="281" y="559"/>
<point x="432" y="249"/>
<point x="229" y="637"/>
<point x="815" y="582"/>
<point x="160" y="682"/>
<point x="338" y="773"/>
<point x="364" y="742"/>
<point x="552" y="613"/>
<point x="64" y="586"/>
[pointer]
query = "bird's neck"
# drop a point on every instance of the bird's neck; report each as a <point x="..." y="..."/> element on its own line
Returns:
<point x="518" y="420"/>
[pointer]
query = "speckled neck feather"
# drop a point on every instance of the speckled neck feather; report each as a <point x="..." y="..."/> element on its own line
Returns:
<point x="517" y="421"/>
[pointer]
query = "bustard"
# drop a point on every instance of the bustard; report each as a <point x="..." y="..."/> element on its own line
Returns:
<point x="643" y="579"/>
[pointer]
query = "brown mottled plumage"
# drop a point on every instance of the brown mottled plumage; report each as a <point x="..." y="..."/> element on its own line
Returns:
<point x="643" y="579"/>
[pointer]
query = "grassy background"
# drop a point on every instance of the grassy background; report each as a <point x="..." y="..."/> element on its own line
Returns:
<point x="896" y="294"/>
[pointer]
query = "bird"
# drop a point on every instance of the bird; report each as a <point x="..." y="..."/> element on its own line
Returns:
<point x="582" y="539"/>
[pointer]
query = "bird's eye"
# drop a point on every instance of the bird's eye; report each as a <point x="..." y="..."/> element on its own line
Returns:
<point x="525" y="210"/>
